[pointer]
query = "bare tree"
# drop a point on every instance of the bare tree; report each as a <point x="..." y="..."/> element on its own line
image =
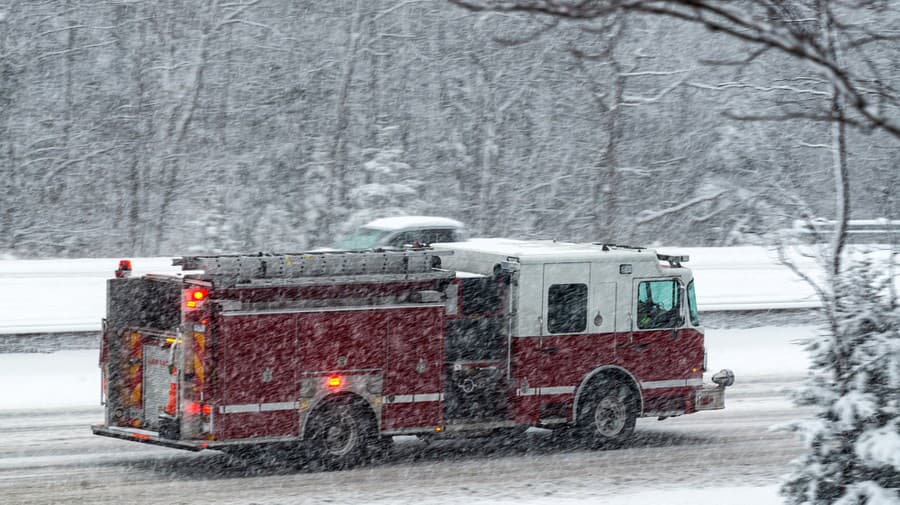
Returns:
<point x="773" y="26"/>
<point x="185" y="102"/>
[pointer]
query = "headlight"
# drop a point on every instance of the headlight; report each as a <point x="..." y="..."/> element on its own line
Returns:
<point x="723" y="378"/>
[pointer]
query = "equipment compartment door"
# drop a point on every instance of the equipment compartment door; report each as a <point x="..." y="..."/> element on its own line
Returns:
<point x="413" y="382"/>
<point x="258" y="368"/>
<point x="156" y="381"/>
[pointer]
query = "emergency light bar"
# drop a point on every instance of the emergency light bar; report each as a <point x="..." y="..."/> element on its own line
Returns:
<point x="124" y="269"/>
<point x="674" y="260"/>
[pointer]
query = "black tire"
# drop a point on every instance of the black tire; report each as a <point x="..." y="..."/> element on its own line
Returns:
<point x="609" y="413"/>
<point x="339" y="435"/>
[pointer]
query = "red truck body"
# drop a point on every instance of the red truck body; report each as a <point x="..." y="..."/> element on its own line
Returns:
<point x="337" y="351"/>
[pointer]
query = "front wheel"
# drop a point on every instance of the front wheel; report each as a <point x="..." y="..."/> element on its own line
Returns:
<point x="609" y="414"/>
<point x="339" y="435"/>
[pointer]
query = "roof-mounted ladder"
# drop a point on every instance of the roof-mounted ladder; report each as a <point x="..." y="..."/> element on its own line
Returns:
<point x="408" y="263"/>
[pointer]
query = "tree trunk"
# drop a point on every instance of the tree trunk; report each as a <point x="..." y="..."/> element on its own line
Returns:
<point x="181" y="120"/>
<point x="337" y="190"/>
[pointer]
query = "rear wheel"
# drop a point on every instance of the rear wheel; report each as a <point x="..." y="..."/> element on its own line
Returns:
<point x="339" y="435"/>
<point x="609" y="414"/>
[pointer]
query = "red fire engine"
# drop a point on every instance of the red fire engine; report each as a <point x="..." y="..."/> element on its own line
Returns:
<point x="338" y="351"/>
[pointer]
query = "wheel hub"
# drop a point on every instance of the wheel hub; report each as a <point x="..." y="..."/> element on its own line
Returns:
<point x="341" y="437"/>
<point x="610" y="416"/>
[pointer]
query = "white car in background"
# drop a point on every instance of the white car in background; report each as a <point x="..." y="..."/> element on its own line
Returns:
<point x="403" y="231"/>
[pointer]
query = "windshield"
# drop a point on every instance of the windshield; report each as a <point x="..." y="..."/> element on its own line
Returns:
<point x="362" y="238"/>
<point x="692" y="305"/>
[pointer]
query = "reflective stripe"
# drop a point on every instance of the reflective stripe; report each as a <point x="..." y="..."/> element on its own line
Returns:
<point x="424" y="397"/>
<point x="264" y="407"/>
<point x="674" y="383"/>
<point x="257" y="407"/>
<point x="558" y="390"/>
<point x="552" y="390"/>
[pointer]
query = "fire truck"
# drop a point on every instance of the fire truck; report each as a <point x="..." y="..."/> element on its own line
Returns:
<point x="335" y="352"/>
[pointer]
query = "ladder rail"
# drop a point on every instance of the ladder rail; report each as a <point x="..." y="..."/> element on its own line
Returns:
<point x="316" y="264"/>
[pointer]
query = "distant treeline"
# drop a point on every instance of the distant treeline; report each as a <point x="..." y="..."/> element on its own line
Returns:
<point x="164" y="127"/>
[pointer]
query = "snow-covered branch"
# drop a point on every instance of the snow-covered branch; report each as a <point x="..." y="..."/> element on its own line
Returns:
<point x="786" y="32"/>
<point x="652" y="215"/>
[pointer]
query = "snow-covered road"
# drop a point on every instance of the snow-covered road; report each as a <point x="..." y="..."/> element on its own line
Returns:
<point x="52" y="458"/>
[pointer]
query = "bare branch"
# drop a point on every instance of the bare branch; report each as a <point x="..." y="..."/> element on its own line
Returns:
<point x="652" y="215"/>
<point x="794" y="116"/>
<point x="631" y="101"/>
<point x="785" y="32"/>
<point x="531" y="37"/>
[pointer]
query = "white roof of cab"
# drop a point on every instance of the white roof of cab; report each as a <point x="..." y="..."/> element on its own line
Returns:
<point x="542" y="251"/>
<point x="405" y="222"/>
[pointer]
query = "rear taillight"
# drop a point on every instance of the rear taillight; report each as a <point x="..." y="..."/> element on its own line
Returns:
<point x="194" y="297"/>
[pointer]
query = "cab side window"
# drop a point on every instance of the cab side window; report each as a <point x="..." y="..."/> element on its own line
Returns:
<point x="422" y="237"/>
<point x="567" y="308"/>
<point x="403" y="239"/>
<point x="659" y="305"/>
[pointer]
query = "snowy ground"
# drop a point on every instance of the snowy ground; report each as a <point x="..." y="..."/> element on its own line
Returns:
<point x="745" y="495"/>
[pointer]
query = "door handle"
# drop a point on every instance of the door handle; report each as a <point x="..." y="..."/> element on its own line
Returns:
<point x="550" y="350"/>
<point x="641" y="346"/>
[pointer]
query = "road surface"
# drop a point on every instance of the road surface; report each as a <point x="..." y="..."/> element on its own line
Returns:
<point x="51" y="457"/>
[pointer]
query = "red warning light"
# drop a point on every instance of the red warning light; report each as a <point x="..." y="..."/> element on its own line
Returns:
<point x="335" y="382"/>
<point x="124" y="269"/>
<point x="193" y="297"/>
<point x="194" y="408"/>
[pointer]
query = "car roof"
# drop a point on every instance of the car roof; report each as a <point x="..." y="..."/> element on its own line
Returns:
<point x="412" y="222"/>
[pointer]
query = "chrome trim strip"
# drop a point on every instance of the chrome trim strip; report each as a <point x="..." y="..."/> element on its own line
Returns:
<point x="257" y="407"/>
<point x="448" y="428"/>
<point x="267" y="407"/>
<point x="558" y="390"/>
<point x="673" y="383"/>
<point x="551" y="390"/>
<point x="416" y="398"/>
<point x="238" y="409"/>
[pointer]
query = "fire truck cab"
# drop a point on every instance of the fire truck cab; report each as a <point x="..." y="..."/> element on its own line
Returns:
<point x="335" y="352"/>
<point x="597" y="333"/>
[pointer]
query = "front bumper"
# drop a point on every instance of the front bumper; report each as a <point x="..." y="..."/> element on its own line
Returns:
<point x="713" y="397"/>
<point x="709" y="398"/>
